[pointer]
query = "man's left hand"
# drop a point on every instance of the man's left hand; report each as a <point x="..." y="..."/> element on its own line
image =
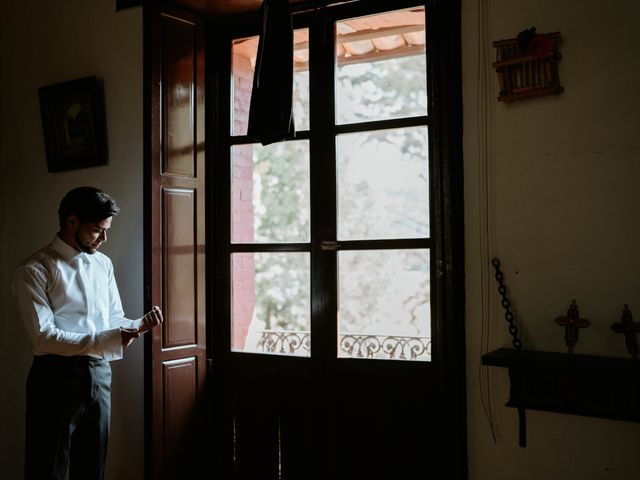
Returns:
<point x="151" y="319"/>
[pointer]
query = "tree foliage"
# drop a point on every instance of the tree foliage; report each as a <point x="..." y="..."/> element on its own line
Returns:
<point x="368" y="208"/>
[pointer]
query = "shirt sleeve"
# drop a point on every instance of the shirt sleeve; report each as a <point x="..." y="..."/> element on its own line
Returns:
<point x="29" y="288"/>
<point x="116" y="314"/>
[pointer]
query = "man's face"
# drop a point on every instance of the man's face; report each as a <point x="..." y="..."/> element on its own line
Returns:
<point x="90" y="236"/>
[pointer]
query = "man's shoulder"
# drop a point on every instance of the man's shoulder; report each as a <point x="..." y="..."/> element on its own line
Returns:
<point x="40" y="265"/>
<point x="39" y="259"/>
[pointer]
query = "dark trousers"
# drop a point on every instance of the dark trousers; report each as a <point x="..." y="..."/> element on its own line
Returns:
<point x="68" y="413"/>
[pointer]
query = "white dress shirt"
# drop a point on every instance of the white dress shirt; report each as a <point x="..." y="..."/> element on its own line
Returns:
<point x="70" y="304"/>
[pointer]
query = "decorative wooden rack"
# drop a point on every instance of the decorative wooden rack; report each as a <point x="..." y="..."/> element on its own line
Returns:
<point x="530" y="75"/>
<point x="586" y="385"/>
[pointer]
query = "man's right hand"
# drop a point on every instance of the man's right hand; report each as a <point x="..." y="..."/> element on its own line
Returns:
<point x="128" y="336"/>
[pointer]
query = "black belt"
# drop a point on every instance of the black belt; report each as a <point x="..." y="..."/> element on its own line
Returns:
<point x="50" y="359"/>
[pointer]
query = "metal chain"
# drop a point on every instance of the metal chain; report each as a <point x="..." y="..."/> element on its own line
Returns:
<point x="506" y="304"/>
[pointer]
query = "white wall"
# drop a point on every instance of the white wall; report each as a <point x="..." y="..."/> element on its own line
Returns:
<point x="47" y="42"/>
<point x="562" y="177"/>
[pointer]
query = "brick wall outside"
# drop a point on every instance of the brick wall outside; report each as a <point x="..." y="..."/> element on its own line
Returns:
<point x="243" y="301"/>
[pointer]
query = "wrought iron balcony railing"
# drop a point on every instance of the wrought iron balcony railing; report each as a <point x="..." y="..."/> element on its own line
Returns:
<point x="393" y="347"/>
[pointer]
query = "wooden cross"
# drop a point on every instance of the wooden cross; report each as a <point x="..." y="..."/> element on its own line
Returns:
<point x="629" y="328"/>
<point x="572" y="323"/>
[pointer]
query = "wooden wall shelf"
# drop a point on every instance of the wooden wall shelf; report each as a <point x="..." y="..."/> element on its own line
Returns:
<point x="588" y="385"/>
<point x="570" y="383"/>
<point x="530" y="74"/>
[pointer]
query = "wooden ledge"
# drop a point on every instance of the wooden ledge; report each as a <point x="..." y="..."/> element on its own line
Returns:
<point x="589" y="385"/>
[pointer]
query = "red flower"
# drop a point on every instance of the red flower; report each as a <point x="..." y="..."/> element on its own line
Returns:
<point x="540" y="45"/>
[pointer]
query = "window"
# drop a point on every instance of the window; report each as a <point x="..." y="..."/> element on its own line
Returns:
<point x="270" y="220"/>
<point x="329" y="249"/>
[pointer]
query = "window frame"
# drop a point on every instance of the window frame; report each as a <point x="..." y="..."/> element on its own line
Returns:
<point x="444" y="143"/>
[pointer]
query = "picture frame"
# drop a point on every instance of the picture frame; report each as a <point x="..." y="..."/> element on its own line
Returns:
<point x="74" y="124"/>
<point x="124" y="4"/>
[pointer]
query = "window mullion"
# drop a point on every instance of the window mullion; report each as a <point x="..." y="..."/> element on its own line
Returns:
<point x="323" y="189"/>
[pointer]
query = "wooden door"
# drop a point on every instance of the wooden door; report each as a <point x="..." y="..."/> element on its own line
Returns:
<point x="308" y="406"/>
<point x="174" y="241"/>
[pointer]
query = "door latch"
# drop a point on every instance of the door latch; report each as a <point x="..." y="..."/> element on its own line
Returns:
<point x="330" y="246"/>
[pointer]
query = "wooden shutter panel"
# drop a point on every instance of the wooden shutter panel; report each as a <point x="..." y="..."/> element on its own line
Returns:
<point x="174" y="240"/>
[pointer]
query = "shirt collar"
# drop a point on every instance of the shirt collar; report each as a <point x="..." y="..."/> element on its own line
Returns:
<point x="67" y="252"/>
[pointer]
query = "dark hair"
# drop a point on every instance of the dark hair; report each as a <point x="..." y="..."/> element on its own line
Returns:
<point x="88" y="204"/>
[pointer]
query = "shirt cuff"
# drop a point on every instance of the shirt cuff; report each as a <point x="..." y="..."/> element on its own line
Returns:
<point x="111" y="341"/>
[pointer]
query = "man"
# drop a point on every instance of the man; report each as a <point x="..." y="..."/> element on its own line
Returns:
<point x="68" y="299"/>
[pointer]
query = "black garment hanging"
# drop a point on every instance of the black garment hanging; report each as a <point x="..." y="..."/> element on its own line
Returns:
<point x="271" y="108"/>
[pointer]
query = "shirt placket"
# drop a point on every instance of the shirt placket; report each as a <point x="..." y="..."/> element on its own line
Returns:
<point x="87" y="291"/>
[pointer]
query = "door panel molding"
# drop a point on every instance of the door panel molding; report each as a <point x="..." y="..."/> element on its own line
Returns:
<point x="175" y="365"/>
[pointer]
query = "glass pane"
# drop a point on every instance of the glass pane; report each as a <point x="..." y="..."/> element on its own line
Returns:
<point x="270" y="193"/>
<point x="383" y="185"/>
<point x="243" y="62"/>
<point x="270" y="309"/>
<point x="381" y="67"/>
<point x="386" y="315"/>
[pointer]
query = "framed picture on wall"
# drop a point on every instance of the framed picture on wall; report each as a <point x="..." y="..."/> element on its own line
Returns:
<point x="123" y="4"/>
<point x="74" y="124"/>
